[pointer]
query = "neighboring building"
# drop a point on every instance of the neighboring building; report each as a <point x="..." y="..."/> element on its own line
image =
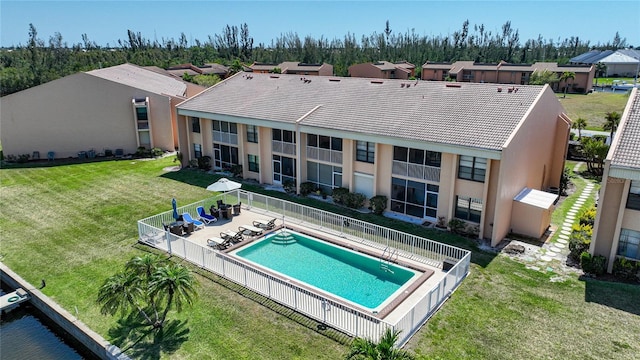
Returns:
<point x="462" y="150"/>
<point x="506" y="73"/>
<point x="121" y="107"/>
<point x="292" y="67"/>
<point x="383" y="70"/>
<point x="206" y="69"/>
<point x="616" y="231"/>
<point x="623" y="63"/>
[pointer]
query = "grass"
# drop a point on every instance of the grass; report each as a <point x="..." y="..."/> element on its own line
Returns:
<point x="593" y="107"/>
<point x="604" y="81"/>
<point x="74" y="225"/>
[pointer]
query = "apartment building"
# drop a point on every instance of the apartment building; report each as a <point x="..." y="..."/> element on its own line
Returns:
<point x="120" y="107"/>
<point x="506" y="73"/>
<point x="616" y="230"/>
<point x="383" y="70"/>
<point x="293" y="67"/>
<point x="476" y="152"/>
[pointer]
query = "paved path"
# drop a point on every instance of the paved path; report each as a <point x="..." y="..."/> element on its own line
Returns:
<point x="552" y="255"/>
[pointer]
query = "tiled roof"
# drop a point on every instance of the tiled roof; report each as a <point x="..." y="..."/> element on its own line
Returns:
<point x="140" y="78"/>
<point x="298" y="66"/>
<point x="627" y="151"/>
<point x="469" y="114"/>
<point x="436" y="66"/>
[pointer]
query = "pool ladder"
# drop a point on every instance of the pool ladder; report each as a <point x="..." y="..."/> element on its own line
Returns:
<point x="387" y="257"/>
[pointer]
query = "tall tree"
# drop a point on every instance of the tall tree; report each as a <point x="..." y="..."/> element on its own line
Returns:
<point x="579" y="124"/>
<point x="611" y="121"/>
<point x="601" y="70"/>
<point x="149" y="285"/>
<point x="566" y="76"/>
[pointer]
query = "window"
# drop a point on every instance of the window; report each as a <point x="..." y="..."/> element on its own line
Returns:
<point x="252" y="133"/>
<point x="416" y="156"/>
<point x="326" y="177"/>
<point x="633" y="200"/>
<point x="468" y="208"/>
<point x="195" y="124"/>
<point x="141" y="113"/>
<point x="225" y="156"/>
<point x="365" y="151"/>
<point x="225" y="132"/>
<point x="629" y="244"/>
<point x="414" y="198"/>
<point x="284" y="136"/>
<point x="254" y="163"/>
<point x="472" y="168"/>
<point x="197" y="150"/>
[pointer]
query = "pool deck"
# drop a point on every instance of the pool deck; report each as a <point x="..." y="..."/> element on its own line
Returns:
<point x="247" y="216"/>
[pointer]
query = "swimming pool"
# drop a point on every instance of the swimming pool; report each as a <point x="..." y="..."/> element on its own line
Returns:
<point x="357" y="278"/>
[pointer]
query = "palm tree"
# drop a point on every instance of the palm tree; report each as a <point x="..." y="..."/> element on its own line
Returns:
<point x="146" y="285"/>
<point x="612" y="119"/>
<point x="176" y="285"/>
<point x="366" y="349"/>
<point x="601" y="69"/>
<point x="579" y="124"/>
<point x="565" y="77"/>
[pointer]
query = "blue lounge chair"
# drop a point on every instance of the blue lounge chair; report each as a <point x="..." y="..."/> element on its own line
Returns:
<point x="187" y="218"/>
<point x="206" y="218"/>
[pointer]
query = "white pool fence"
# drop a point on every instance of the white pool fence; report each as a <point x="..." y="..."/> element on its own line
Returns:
<point x="349" y="320"/>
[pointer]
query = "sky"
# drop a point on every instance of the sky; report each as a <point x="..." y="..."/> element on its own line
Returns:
<point x="105" y="22"/>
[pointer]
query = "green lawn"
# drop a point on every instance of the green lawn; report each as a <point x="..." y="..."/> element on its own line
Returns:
<point x="609" y="80"/>
<point x="74" y="225"/>
<point x="593" y="107"/>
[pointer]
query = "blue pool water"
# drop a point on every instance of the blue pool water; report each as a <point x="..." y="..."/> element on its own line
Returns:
<point x="355" y="277"/>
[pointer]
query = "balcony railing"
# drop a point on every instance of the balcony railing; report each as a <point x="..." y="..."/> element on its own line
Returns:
<point x="423" y="172"/>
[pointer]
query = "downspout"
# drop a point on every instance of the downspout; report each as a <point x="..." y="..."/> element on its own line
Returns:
<point x="299" y="147"/>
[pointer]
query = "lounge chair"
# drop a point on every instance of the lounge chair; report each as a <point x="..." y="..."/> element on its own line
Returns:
<point x="219" y="243"/>
<point x="187" y="218"/>
<point x="232" y="236"/>
<point x="250" y="230"/>
<point x="206" y="218"/>
<point x="265" y="224"/>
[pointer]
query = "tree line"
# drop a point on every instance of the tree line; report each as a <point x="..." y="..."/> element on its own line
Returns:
<point x="37" y="62"/>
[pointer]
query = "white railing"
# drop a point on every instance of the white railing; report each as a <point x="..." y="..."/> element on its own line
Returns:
<point x="347" y="319"/>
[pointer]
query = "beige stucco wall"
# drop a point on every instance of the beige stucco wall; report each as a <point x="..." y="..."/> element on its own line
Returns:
<point x="78" y="113"/>
<point x="521" y="167"/>
<point x="529" y="220"/>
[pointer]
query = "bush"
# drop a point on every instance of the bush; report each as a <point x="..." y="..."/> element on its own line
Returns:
<point x="587" y="216"/>
<point x="236" y="170"/>
<point x="339" y="194"/>
<point x="457" y="226"/>
<point x="626" y="269"/>
<point x="378" y="204"/>
<point x="579" y="242"/>
<point x="355" y="200"/>
<point x="204" y="162"/>
<point x="289" y="187"/>
<point x="23" y="158"/>
<point x="143" y="152"/>
<point x="595" y="265"/>
<point x="564" y="181"/>
<point x="156" y="152"/>
<point x="307" y="188"/>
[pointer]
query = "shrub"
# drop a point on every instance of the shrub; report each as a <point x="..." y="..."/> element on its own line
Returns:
<point x="236" y="170"/>
<point x="457" y="226"/>
<point x="587" y="216"/>
<point x="23" y="158"/>
<point x="626" y="269"/>
<point x="156" y="152"/>
<point x="595" y="265"/>
<point x="307" y="188"/>
<point x="143" y="152"/>
<point x="289" y="187"/>
<point x="338" y="195"/>
<point x="354" y="200"/>
<point x="378" y="204"/>
<point x="579" y="242"/>
<point x="204" y="162"/>
<point x="564" y="181"/>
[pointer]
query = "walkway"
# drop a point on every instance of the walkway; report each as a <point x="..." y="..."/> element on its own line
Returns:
<point x="552" y="255"/>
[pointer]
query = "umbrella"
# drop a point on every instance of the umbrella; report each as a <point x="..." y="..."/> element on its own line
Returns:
<point x="224" y="185"/>
<point x="175" y="208"/>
